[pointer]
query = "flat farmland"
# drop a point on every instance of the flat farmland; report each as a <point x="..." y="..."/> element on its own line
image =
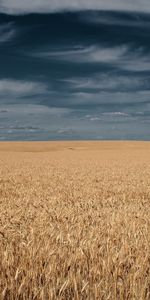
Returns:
<point x="75" y="220"/>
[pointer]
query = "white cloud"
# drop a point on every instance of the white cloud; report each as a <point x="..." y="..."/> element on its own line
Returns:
<point x="17" y="88"/>
<point x="95" y="119"/>
<point x="39" y="6"/>
<point x="108" y="98"/>
<point x="7" y="32"/>
<point x="104" y="82"/>
<point x="33" y="109"/>
<point x="123" y="57"/>
<point x="86" y="54"/>
<point x="97" y="18"/>
<point x="115" y="114"/>
<point x="65" y="54"/>
<point x="138" y="64"/>
<point x="103" y="116"/>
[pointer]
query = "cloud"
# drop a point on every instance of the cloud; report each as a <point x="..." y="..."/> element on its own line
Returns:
<point x="32" y="110"/>
<point x="45" y="6"/>
<point x="64" y="54"/>
<point x="62" y="68"/>
<point x="34" y="121"/>
<point x="107" y="99"/>
<point x="11" y="89"/>
<point x="7" y="32"/>
<point x="116" y="114"/>
<point x="138" y="64"/>
<point x="109" y="116"/>
<point x="107" y="82"/>
<point x="3" y="111"/>
<point x="98" y="18"/>
<point x="125" y="57"/>
<point x="91" y="54"/>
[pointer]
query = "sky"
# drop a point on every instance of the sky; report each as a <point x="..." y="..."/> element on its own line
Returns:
<point x="75" y="69"/>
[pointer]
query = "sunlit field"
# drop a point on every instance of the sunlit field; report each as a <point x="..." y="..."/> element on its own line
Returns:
<point x="75" y="220"/>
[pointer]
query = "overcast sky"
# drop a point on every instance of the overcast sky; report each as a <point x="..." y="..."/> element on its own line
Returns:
<point x="74" y="69"/>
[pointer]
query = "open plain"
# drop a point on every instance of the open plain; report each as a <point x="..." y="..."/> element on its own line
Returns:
<point x="75" y="220"/>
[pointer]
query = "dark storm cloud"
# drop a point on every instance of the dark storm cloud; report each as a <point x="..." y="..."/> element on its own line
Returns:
<point x="74" y="75"/>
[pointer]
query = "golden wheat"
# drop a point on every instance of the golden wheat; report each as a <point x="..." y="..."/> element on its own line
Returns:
<point x="75" y="221"/>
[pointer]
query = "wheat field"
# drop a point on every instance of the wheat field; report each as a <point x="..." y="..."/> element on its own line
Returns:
<point x="75" y="220"/>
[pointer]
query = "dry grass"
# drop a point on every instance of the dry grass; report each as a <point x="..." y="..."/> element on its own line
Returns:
<point x="75" y="223"/>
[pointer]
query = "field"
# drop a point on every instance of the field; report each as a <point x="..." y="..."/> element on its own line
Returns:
<point x="75" y="220"/>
